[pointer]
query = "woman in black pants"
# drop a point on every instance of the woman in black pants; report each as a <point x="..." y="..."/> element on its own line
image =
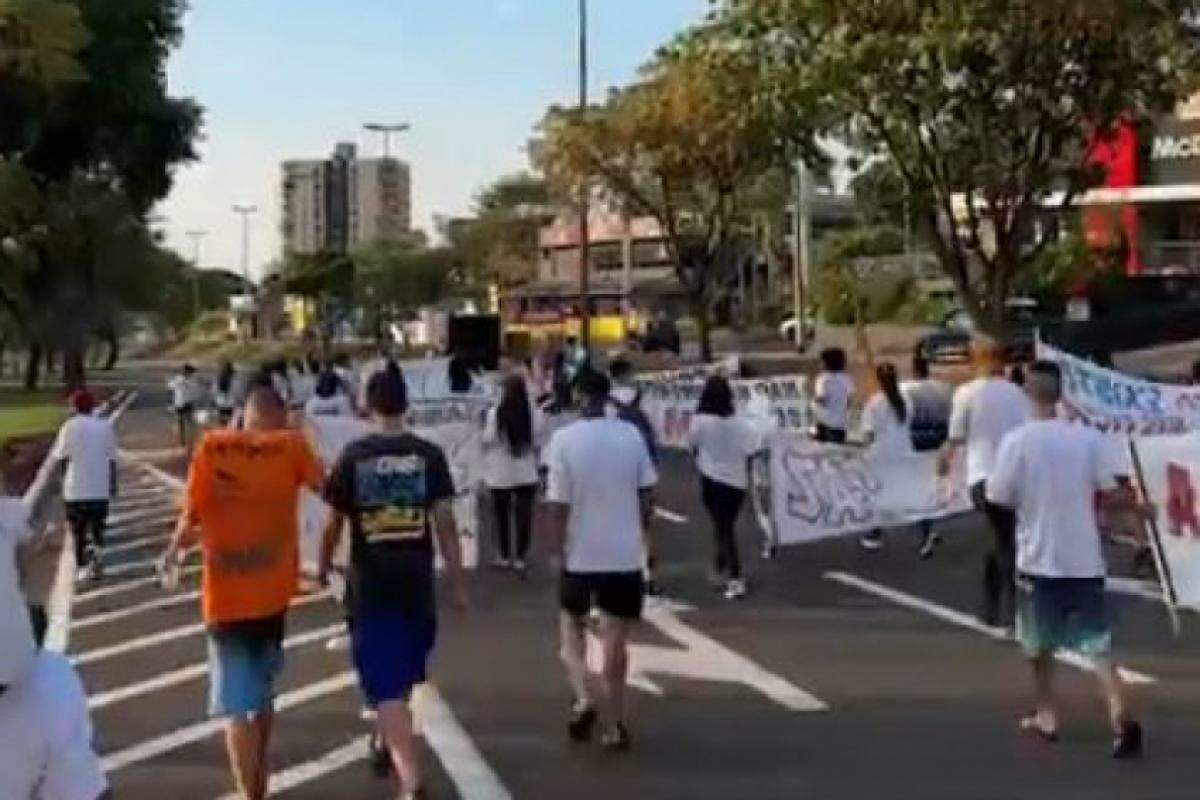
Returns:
<point x="510" y="471"/>
<point x="723" y="444"/>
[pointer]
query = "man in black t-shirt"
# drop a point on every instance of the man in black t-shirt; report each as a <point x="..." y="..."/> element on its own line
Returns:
<point x="395" y="489"/>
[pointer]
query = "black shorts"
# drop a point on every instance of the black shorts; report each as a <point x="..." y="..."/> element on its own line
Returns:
<point x="617" y="594"/>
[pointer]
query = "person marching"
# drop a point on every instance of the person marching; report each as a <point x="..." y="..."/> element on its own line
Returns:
<point x="985" y="411"/>
<point x="224" y="394"/>
<point x="87" y="444"/>
<point x="187" y="393"/>
<point x="328" y="399"/>
<point x="833" y="393"/>
<point x="724" y="444"/>
<point x="241" y="502"/>
<point x="885" y="431"/>
<point x="1049" y="472"/>
<point x="626" y="404"/>
<point x="599" y="491"/>
<point x="396" y="491"/>
<point x="929" y="404"/>
<point x="510" y="471"/>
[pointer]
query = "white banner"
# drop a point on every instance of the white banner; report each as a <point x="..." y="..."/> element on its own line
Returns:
<point x="1171" y="465"/>
<point x="1113" y="402"/>
<point x="820" y="491"/>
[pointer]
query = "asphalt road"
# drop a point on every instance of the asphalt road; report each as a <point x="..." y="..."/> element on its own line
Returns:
<point x="845" y="674"/>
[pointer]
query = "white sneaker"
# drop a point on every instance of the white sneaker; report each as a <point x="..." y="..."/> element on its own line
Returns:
<point x="96" y="568"/>
<point x="501" y="564"/>
<point x="735" y="589"/>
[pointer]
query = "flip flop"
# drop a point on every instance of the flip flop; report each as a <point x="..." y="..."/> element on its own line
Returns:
<point x="1030" y="724"/>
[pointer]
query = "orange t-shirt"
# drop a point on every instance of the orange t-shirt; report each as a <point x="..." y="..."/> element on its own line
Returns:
<point x="243" y="490"/>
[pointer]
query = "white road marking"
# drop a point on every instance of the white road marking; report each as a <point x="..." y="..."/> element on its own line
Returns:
<point x="169" y="635"/>
<point x="471" y="775"/>
<point x="157" y="604"/>
<point x="670" y="516"/>
<point x="126" y="546"/>
<point x="699" y="657"/>
<point x="126" y="568"/>
<point x="160" y="745"/>
<point x="1148" y="590"/>
<point x="141" y="517"/>
<point x="309" y="771"/>
<point x="127" y="586"/>
<point x="194" y="671"/>
<point x="962" y="620"/>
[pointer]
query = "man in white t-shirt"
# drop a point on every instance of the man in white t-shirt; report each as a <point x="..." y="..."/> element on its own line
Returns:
<point x="832" y="395"/>
<point x="88" y="445"/>
<point x="985" y="411"/>
<point x="187" y="395"/>
<point x="45" y="734"/>
<point x="1050" y="472"/>
<point x="599" y="490"/>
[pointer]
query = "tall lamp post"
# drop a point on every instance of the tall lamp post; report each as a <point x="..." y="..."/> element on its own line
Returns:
<point x="386" y="130"/>
<point x="802" y="248"/>
<point x="585" y="245"/>
<point x="246" y="211"/>
<point x="197" y="237"/>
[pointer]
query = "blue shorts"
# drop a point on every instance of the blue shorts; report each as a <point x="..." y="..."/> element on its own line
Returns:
<point x="1063" y="614"/>
<point x="391" y="653"/>
<point x="244" y="661"/>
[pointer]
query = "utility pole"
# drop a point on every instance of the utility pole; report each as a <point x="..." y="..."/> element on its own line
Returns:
<point x="386" y="129"/>
<point x="585" y="245"/>
<point x="802" y="248"/>
<point x="246" y="211"/>
<point x="197" y="237"/>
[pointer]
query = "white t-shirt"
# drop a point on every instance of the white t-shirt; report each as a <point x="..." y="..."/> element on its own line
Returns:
<point x="723" y="448"/>
<point x="185" y="391"/>
<point x="833" y="393"/>
<point x="1050" y="471"/>
<point x="889" y="435"/>
<point x="598" y="467"/>
<point x="503" y="470"/>
<point x="89" y="445"/>
<point x="47" y="736"/>
<point x="336" y="405"/>
<point x="303" y="387"/>
<point x="16" y="633"/>
<point x="984" y="411"/>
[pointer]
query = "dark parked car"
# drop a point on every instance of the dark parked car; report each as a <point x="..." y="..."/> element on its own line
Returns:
<point x="952" y="340"/>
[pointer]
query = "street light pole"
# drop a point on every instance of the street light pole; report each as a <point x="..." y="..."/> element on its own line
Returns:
<point x="585" y="245"/>
<point x="246" y="211"/>
<point x="197" y="237"/>
<point x="802" y="248"/>
<point x="386" y="130"/>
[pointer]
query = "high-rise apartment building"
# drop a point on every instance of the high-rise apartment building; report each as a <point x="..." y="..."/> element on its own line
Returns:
<point x="338" y="204"/>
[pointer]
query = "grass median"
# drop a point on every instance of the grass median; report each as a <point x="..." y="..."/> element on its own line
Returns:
<point x="24" y="414"/>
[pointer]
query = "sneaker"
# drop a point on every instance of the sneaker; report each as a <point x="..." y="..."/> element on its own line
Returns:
<point x="616" y="739"/>
<point x="96" y="568"/>
<point x="872" y="541"/>
<point x="735" y="589"/>
<point x="381" y="759"/>
<point x="502" y="564"/>
<point x="583" y="719"/>
<point x="521" y="567"/>
<point x="1129" y="742"/>
<point x="928" y="544"/>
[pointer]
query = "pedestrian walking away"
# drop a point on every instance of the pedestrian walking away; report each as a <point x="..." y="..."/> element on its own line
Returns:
<point x="510" y="471"/>
<point x="1049" y="472"/>
<point x="626" y="401"/>
<point x="395" y="489"/>
<point x="724" y="444"/>
<point x="328" y="399"/>
<point x="929" y="405"/>
<point x="985" y="410"/>
<point x="187" y="394"/>
<point x="832" y="395"/>
<point x="241" y="507"/>
<point x="599" y="490"/>
<point x="224" y="394"/>
<point x="885" y="431"/>
<point x="87" y="444"/>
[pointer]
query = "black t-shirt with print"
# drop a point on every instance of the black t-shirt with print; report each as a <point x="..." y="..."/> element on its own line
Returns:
<point x="388" y="484"/>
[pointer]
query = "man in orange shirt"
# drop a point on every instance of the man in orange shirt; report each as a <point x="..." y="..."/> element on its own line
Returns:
<point x="242" y="494"/>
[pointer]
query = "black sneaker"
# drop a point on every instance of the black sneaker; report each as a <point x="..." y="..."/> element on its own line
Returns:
<point x="616" y="738"/>
<point x="583" y="719"/>
<point x="1128" y="743"/>
<point x="381" y="759"/>
<point x="928" y="544"/>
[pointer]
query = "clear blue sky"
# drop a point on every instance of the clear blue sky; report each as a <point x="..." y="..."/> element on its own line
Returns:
<point x="288" y="78"/>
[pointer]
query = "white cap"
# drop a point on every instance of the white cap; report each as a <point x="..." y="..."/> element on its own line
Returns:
<point x="17" y="648"/>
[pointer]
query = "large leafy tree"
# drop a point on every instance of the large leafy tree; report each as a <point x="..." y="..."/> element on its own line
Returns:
<point x="986" y="109"/>
<point x="501" y="242"/>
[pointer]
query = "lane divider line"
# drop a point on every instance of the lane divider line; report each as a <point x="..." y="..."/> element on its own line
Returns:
<point x="670" y="516"/>
<point x="958" y="618"/>
<point x="128" y="586"/>
<point x="309" y="771"/>
<point x="157" y="604"/>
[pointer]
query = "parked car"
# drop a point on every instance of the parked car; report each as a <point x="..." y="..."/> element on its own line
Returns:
<point x="787" y="332"/>
<point x="952" y="339"/>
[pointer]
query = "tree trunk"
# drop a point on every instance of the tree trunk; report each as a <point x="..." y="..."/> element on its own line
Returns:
<point x="74" y="369"/>
<point x="33" y="367"/>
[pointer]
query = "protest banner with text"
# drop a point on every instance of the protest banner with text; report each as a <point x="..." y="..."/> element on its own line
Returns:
<point x="1171" y="467"/>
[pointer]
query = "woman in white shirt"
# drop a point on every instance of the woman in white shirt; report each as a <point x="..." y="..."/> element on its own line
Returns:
<point x="723" y="444"/>
<point x="510" y="471"/>
<point x="831" y="399"/>
<point x="885" y="430"/>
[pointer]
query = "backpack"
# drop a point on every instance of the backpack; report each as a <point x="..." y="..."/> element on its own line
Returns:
<point x="633" y="414"/>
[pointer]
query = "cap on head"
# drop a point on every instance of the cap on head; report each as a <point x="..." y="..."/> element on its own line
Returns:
<point x="387" y="393"/>
<point x="82" y="401"/>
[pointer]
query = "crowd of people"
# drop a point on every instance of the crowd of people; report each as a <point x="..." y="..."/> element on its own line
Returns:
<point x="1034" y="478"/>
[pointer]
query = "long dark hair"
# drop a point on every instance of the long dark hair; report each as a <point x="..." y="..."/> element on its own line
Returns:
<point x="514" y="422"/>
<point x="889" y="384"/>
<point x="717" y="398"/>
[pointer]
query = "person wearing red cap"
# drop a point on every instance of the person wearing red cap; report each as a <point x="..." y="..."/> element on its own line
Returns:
<point x="88" y="445"/>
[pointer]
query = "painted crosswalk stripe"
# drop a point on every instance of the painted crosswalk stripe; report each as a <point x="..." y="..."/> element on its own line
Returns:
<point x="1147" y="590"/>
<point x="128" y="567"/>
<point x="962" y="620"/>
<point x="194" y="671"/>
<point x="169" y="635"/>
<point x="127" y="586"/>
<point x="190" y="734"/>
<point x="139" y="517"/>
<point x="126" y="546"/>
<point x="670" y="516"/>
<point x="309" y="771"/>
<point x="157" y="604"/>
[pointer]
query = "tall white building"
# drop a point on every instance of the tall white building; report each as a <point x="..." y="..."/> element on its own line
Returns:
<point x="338" y="204"/>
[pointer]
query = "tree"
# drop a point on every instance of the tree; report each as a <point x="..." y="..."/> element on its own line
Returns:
<point x="994" y="103"/>
<point x="684" y="145"/>
<point x="502" y="240"/>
